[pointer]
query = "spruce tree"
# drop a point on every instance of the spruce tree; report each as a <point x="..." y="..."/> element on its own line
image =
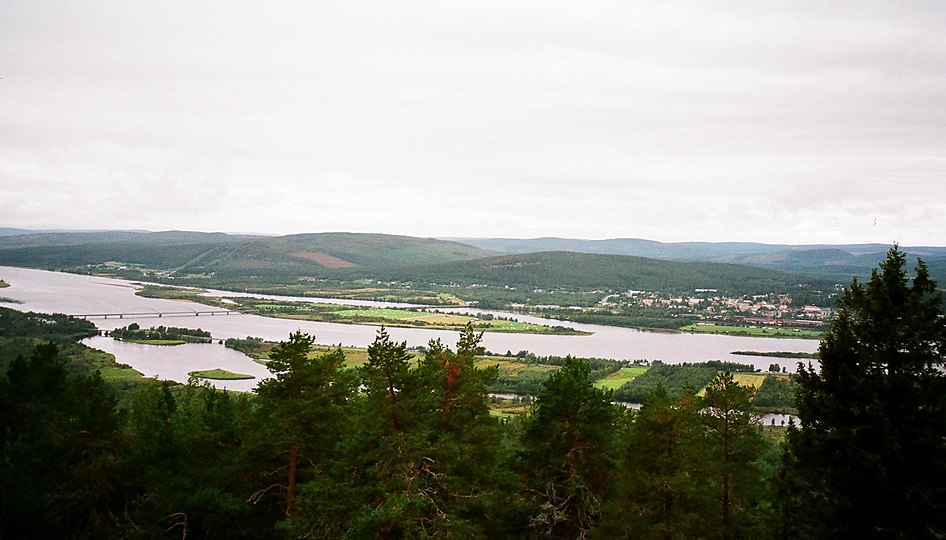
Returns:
<point x="869" y="459"/>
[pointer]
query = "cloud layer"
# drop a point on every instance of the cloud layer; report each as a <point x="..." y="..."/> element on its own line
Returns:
<point x="792" y="122"/>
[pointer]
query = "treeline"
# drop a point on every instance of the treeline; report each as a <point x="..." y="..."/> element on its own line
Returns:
<point x="134" y="332"/>
<point x="393" y="450"/>
<point x="247" y="346"/>
<point x="20" y="332"/>
<point x="528" y="382"/>
<point x="677" y="379"/>
<point x="400" y="449"/>
<point x="627" y="321"/>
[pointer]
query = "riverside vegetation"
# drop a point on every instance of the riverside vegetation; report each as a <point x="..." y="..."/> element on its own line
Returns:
<point x="579" y="287"/>
<point x="160" y="335"/>
<point x="344" y="314"/>
<point x="405" y="448"/>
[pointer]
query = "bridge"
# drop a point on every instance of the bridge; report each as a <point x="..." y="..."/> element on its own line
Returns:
<point x="158" y="314"/>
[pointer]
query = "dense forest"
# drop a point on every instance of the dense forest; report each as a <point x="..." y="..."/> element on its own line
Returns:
<point x="401" y="449"/>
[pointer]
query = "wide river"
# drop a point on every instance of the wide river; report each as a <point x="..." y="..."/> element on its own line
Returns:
<point x="54" y="292"/>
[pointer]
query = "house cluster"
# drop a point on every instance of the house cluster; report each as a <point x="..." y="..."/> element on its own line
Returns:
<point x="709" y="304"/>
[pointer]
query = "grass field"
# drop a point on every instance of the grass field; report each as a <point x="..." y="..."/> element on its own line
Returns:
<point x="220" y="375"/>
<point x="750" y="379"/>
<point x="506" y="409"/>
<point x="104" y="362"/>
<point x="164" y="342"/>
<point x="354" y="356"/>
<point x="443" y="321"/>
<point x="751" y="331"/>
<point x="619" y="378"/>
<point x="753" y="380"/>
<point x="513" y="365"/>
<point x="308" y="311"/>
<point x="406" y="316"/>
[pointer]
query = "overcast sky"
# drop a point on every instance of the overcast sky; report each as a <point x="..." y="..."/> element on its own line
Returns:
<point x="790" y="122"/>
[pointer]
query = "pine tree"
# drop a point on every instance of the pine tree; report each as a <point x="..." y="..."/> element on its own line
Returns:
<point x="734" y="441"/>
<point x="663" y="491"/>
<point x="58" y="436"/>
<point x="304" y="412"/>
<point x="568" y="454"/>
<point x="428" y="441"/>
<point x="869" y="459"/>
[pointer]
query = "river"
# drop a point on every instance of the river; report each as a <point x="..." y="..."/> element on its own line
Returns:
<point x="55" y="292"/>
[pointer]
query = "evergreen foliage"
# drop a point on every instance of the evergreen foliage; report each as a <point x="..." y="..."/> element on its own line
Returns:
<point x="161" y="333"/>
<point x="302" y="413"/>
<point x="567" y="462"/>
<point x="663" y="491"/>
<point x="674" y="379"/>
<point x="869" y="459"/>
<point x="58" y="438"/>
<point x="406" y="448"/>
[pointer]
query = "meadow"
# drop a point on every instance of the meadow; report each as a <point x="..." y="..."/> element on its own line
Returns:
<point x="752" y="331"/>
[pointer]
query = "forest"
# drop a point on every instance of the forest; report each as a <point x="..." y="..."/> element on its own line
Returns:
<point x="405" y="449"/>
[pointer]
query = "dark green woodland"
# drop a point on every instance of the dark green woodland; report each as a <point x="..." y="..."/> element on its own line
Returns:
<point x="408" y="449"/>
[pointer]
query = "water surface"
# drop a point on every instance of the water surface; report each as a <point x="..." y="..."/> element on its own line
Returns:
<point x="54" y="292"/>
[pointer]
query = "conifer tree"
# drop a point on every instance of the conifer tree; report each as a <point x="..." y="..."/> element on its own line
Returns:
<point x="304" y="412"/>
<point x="663" y="490"/>
<point x="430" y="439"/>
<point x="734" y="441"/>
<point x="58" y="435"/>
<point x="567" y="461"/>
<point x="869" y="458"/>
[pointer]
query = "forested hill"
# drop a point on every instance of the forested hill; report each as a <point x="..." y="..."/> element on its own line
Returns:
<point x="285" y="259"/>
<point x="570" y="270"/>
<point x="228" y="260"/>
<point x="833" y="262"/>
<point x="230" y="255"/>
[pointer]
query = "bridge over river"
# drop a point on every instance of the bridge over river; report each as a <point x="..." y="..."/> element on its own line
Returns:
<point x="158" y="314"/>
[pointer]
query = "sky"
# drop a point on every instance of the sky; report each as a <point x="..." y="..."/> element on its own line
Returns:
<point x="784" y="122"/>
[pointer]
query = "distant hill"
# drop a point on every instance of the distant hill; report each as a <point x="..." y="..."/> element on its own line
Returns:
<point x="7" y="231"/>
<point x="72" y="238"/>
<point x="832" y="262"/>
<point x="571" y="270"/>
<point x="230" y="255"/>
<point x="235" y="260"/>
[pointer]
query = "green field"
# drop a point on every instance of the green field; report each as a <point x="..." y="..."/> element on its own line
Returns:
<point x="162" y="342"/>
<point x="354" y="356"/>
<point x="751" y="380"/>
<point x="620" y="378"/>
<point x="220" y="375"/>
<point x="508" y="408"/>
<point x="96" y="360"/>
<point x="752" y="331"/>
<point x="513" y="365"/>
<point x="405" y="318"/>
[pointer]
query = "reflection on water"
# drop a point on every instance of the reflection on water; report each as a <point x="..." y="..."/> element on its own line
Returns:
<point x="175" y="362"/>
<point x="53" y="292"/>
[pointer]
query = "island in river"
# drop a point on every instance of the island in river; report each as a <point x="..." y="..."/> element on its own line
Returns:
<point x="412" y="317"/>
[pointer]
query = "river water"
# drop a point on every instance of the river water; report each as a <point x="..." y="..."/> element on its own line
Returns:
<point x="54" y="292"/>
